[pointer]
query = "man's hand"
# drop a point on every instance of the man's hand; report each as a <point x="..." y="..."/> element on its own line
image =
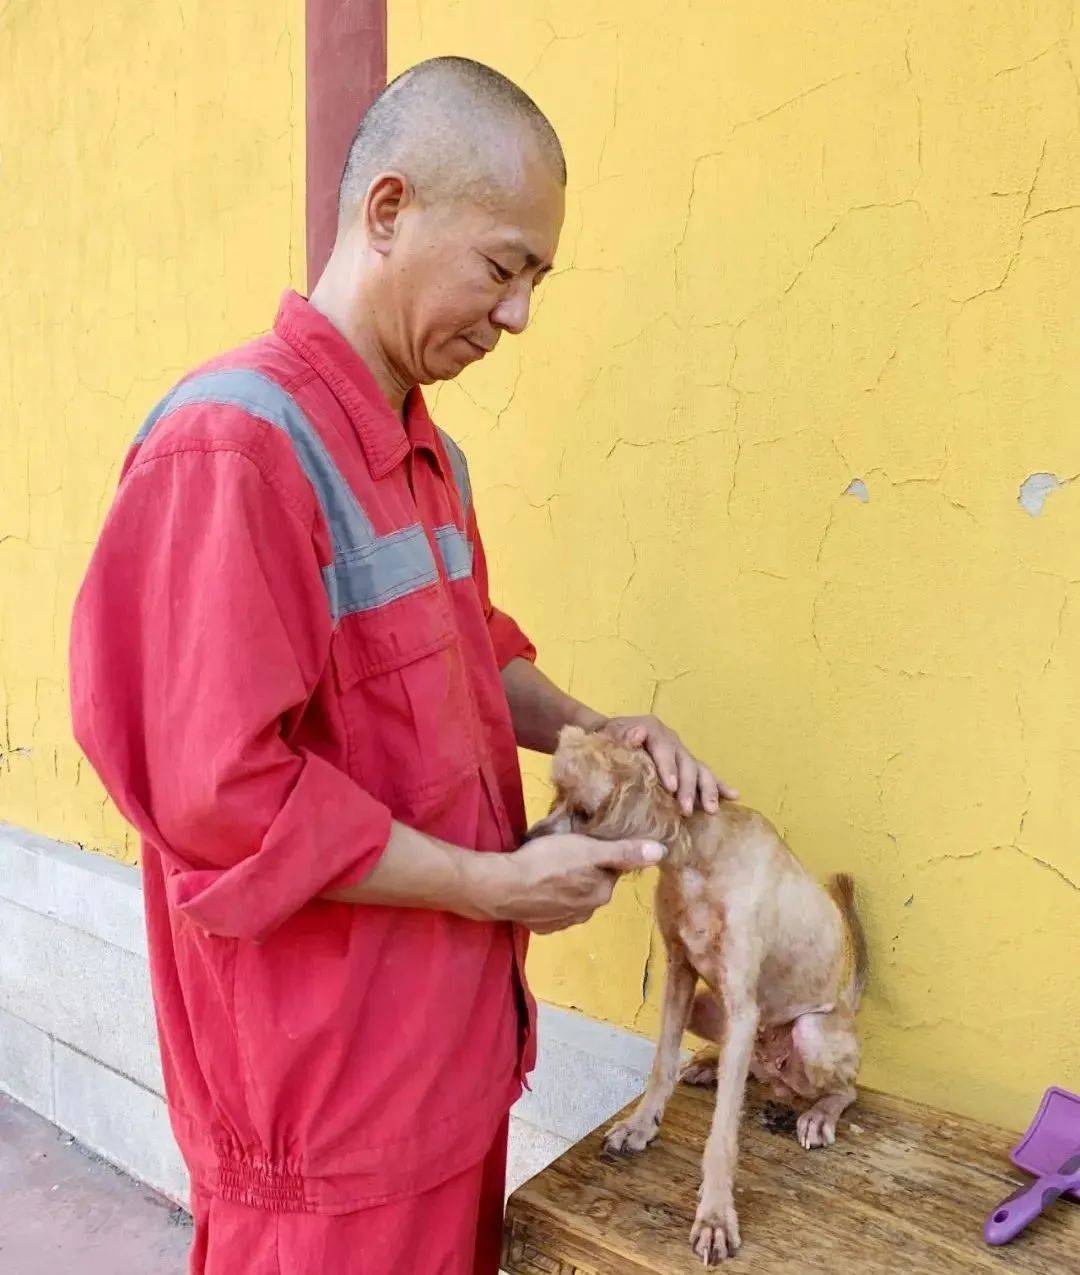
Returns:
<point x="549" y="884"/>
<point x="540" y="710"/>
<point x="558" y="881"/>
<point x="680" y="772"/>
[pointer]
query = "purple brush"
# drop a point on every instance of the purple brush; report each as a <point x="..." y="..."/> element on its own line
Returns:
<point x="1050" y="1149"/>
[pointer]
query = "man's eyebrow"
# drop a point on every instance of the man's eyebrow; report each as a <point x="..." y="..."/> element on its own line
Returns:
<point x="516" y="245"/>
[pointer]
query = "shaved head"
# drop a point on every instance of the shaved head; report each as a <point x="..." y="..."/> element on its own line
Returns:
<point x="449" y="215"/>
<point x="444" y="125"/>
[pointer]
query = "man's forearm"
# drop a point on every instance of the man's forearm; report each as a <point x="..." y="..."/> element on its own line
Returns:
<point x="539" y="709"/>
<point x="549" y="884"/>
<point x="418" y="871"/>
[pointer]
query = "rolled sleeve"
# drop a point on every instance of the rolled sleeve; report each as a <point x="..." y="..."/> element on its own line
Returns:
<point x="199" y="636"/>
<point x="326" y="835"/>
<point x="509" y="641"/>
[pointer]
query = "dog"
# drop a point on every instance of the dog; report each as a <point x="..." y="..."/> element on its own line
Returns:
<point x="784" y="963"/>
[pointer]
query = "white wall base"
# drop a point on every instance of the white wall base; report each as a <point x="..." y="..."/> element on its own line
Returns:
<point x="78" y="1044"/>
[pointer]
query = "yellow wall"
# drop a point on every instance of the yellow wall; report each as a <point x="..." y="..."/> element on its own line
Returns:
<point x="807" y="243"/>
<point x="151" y="209"/>
<point x="812" y="241"/>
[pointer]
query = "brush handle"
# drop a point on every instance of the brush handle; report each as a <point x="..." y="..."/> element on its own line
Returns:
<point x="1024" y="1206"/>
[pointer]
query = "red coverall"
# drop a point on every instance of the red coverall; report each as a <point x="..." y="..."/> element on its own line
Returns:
<point x="284" y="639"/>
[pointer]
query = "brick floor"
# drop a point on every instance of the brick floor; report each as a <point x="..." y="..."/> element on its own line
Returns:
<point x="63" y="1211"/>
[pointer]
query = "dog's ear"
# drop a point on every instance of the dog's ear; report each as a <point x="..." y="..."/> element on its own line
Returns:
<point x="581" y="769"/>
<point x="620" y="784"/>
<point x="615" y="785"/>
<point x="571" y="736"/>
<point x="640" y="806"/>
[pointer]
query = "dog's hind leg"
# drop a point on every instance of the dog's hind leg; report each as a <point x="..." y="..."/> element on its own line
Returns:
<point x="707" y="1017"/>
<point x="706" y="1021"/>
<point x="828" y="1050"/>
<point x="817" y="1127"/>
<point x="701" y="1069"/>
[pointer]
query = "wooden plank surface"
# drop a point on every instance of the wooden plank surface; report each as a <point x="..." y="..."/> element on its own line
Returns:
<point x="906" y="1189"/>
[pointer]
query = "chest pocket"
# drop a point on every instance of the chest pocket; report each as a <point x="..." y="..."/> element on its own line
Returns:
<point x="398" y="665"/>
<point x="405" y="697"/>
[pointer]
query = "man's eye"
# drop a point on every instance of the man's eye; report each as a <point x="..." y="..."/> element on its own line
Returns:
<point x="500" y="273"/>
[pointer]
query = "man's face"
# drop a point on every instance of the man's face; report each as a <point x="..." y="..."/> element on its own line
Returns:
<point x="463" y="271"/>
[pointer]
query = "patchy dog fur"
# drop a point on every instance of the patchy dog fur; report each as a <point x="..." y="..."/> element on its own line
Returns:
<point x="783" y="962"/>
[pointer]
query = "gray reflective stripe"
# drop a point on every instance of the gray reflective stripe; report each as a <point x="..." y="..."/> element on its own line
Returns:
<point x="388" y="568"/>
<point x="455" y="551"/>
<point x="262" y="397"/>
<point x="460" y="466"/>
<point x="367" y="570"/>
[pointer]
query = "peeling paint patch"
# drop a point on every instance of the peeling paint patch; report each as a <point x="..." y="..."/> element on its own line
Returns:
<point x="1034" y="490"/>
<point x="858" y="489"/>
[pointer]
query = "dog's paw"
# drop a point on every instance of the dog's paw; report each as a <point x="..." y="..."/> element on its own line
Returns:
<point x="715" y="1234"/>
<point x="629" y="1137"/>
<point x="815" y="1129"/>
<point x="700" y="1070"/>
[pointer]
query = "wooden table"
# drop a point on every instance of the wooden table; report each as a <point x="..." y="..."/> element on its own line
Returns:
<point x="905" y="1189"/>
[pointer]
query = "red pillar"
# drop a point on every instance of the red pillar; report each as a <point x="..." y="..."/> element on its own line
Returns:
<point x="346" y="68"/>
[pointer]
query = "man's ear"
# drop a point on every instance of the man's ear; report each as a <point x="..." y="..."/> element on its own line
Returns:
<point x="388" y="196"/>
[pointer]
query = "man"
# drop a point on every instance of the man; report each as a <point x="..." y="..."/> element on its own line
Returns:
<point x="289" y="675"/>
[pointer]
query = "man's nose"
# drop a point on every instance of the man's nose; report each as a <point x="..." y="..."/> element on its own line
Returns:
<point x="512" y="312"/>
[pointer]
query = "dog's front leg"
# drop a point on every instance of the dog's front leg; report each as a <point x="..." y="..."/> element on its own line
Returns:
<point x="636" y="1133"/>
<point x="715" y="1235"/>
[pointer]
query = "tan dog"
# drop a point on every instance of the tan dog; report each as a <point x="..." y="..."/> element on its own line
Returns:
<point x="784" y="962"/>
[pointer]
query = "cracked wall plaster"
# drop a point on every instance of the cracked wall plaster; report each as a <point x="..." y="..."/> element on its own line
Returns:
<point x="799" y="246"/>
<point x="181" y="225"/>
<point x="802" y="247"/>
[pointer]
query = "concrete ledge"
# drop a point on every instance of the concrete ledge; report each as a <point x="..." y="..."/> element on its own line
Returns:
<point x="85" y="891"/>
<point x="87" y="991"/>
<point x="78" y="1043"/>
<point x="531" y="1149"/>
<point x="118" y="1119"/>
<point x="584" y="1073"/>
<point x="26" y="1064"/>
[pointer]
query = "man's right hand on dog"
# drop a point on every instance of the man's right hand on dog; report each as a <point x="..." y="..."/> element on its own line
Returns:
<point x="551" y="883"/>
<point x="555" y="882"/>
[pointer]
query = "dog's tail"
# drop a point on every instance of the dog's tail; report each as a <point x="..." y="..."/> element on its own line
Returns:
<point x="842" y="890"/>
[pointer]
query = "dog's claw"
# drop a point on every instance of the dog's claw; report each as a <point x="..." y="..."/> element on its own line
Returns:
<point x="715" y="1235"/>
<point x="698" y="1073"/>
<point x="815" y="1129"/>
<point x="628" y="1138"/>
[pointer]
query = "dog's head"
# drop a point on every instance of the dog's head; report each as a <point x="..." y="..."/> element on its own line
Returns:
<point x="608" y="790"/>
